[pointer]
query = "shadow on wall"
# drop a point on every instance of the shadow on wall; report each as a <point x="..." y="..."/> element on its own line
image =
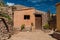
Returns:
<point x="53" y="23"/>
<point x="2" y="19"/>
<point x="4" y="29"/>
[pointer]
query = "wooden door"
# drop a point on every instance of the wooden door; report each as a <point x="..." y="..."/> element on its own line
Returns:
<point x="38" y="21"/>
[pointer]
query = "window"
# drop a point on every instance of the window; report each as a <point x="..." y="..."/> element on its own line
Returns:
<point x="26" y="17"/>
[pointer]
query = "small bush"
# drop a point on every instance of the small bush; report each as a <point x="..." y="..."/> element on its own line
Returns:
<point x="31" y="24"/>
<point x="22" y="26"/>
<point x="46" y="26"/>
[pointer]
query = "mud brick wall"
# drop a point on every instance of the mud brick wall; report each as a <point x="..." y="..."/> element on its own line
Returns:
<point x="58" y="16"/>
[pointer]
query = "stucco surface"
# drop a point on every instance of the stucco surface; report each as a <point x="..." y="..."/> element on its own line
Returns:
<point x="58" y="17"/>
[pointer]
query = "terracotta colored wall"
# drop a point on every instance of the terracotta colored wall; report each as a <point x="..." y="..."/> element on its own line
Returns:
<point x="58" y="16"/>
<point x="19" y="18"/>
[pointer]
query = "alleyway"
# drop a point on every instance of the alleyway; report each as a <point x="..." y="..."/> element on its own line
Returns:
<point x="39" y="35"/>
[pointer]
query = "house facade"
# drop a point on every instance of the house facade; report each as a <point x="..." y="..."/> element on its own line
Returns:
<point x="58" y="16"/>
<point x="29" y="16"/>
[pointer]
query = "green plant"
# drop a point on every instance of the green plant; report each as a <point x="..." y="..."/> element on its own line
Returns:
<point x="46" y="26"/>
<point x="31" y="24"/>
<point x="5" y="15"/>
<point x="22" y="26"/>
<point x="2" y="3"/>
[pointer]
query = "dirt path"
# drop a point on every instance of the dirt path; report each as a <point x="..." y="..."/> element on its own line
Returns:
<point x="39" y="35"/>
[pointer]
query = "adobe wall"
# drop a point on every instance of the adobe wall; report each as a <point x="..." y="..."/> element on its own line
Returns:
<point x="19" y="18"/>
<point x="58" y="16"/>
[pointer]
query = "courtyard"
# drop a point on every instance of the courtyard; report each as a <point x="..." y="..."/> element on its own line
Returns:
<point x="35" y="35"/>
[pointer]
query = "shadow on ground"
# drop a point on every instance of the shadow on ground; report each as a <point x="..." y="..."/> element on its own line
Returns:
<point x="56" y="35"/>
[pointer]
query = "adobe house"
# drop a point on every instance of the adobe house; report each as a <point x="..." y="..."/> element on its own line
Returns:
<point x="30" y="16"/>
<point x="26" y="15"/>
<point x="58" y="16"/>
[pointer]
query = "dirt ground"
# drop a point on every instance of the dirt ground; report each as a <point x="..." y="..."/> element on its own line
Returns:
<point x="36" y="35"/>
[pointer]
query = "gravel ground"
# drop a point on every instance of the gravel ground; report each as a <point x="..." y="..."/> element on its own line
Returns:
<point x="37" y="35"/>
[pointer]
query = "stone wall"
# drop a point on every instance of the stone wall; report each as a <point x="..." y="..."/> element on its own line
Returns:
<point x="4" y="34"/>
<point x="44" y="19"/>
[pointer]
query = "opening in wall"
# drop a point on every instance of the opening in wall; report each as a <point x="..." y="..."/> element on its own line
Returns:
<point x="26" y="17"/>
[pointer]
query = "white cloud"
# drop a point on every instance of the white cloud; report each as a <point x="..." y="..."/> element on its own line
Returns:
<point x="10" y="4"/>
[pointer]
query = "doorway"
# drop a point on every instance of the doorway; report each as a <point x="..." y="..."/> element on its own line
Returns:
<point x="38" y="21"/>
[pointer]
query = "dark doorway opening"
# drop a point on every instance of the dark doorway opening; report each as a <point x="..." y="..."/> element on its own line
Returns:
<point x="37" y="15"/>
<point x="38" y="21"/>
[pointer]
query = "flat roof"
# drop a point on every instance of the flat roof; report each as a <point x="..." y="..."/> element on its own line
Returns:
<point x="24" y="9"/>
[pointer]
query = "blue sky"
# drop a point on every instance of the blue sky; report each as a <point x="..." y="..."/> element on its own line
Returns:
<point x="42" y="5"/>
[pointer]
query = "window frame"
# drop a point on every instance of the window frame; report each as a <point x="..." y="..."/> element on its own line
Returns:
<point x="26" y="17"/>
